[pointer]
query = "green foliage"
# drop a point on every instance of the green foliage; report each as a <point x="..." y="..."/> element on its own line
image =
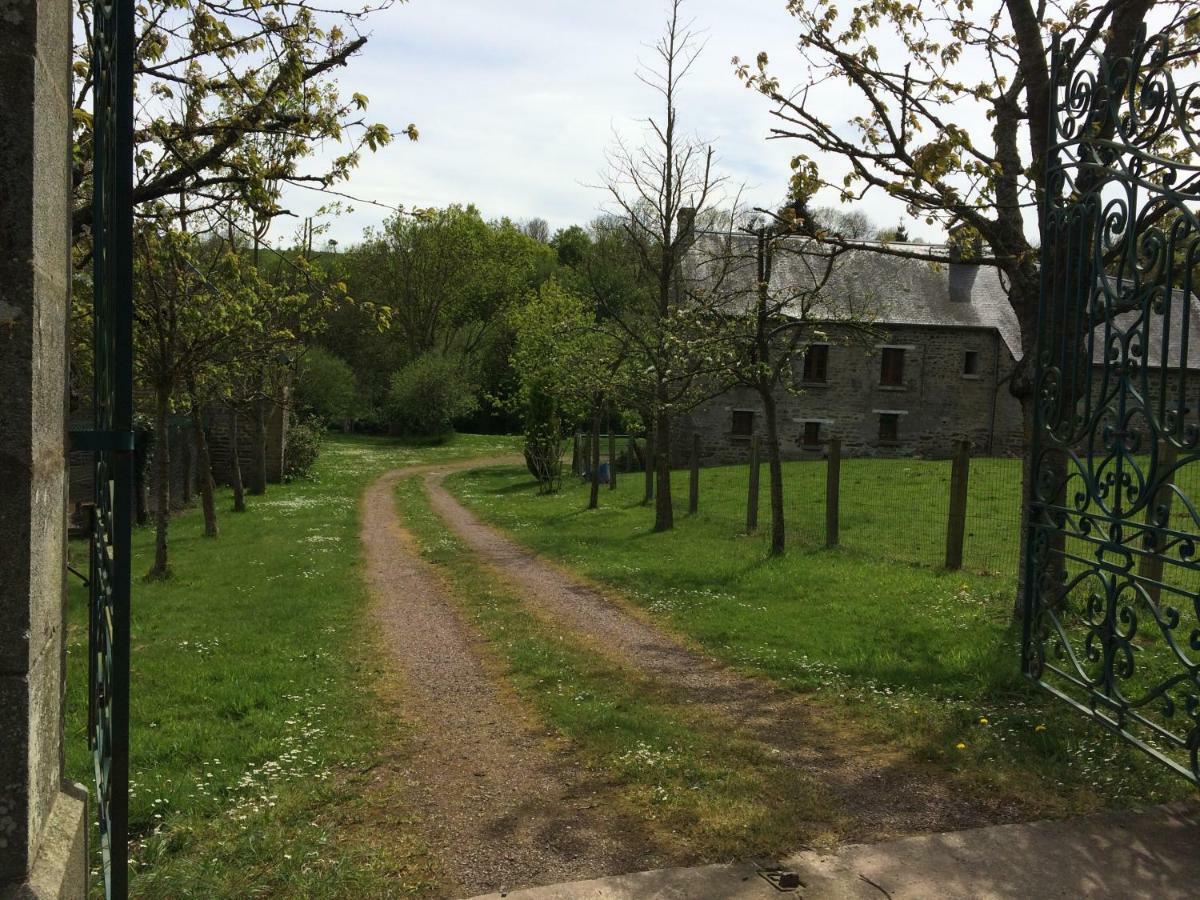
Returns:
<point x="232" y="99"/>
<point x="572" y="245"/>
<point x="303" y="448"/>
<point x="564" y="367"/>
<point x="559" y="353"/>
<point x="439" y="280"/>
<point x="428" y="395"/>
<point x="325" y="386"/>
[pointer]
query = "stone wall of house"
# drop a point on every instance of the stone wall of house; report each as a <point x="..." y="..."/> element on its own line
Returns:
<point x="219" y="429"/>
<point x="936" y="405"/>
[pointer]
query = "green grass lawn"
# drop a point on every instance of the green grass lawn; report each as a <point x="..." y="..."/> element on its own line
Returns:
<point x="256" y="717"/>
<point x="926" y="657"/>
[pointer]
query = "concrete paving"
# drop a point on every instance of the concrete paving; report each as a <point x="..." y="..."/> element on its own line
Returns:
<point x="1152" y="854"/>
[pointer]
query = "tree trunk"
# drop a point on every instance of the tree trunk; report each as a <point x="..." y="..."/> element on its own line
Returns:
<point x="612" y="453"/>
<point x="162" y="487"/>
<point x="204" y="469"/>
<point x="594" y="497"/>
<point x="141" y="484"/>
<point x="775" y="467"/>
<point x="235" y="462"/>
<point x="258" y="475"/>
<point x="664" y="511"/>
<point x="649" y="493"/>
<point x="185" y="457"/>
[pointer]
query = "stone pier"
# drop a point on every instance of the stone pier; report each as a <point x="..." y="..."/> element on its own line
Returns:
<point x="43" y="830"/>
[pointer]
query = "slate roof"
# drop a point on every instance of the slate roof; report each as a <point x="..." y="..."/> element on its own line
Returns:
<point x="1181" y="323"/>
<point x="880" y="287"/>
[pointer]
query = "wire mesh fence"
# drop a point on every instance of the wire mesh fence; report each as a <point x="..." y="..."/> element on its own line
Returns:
<point x="896" y="509"/>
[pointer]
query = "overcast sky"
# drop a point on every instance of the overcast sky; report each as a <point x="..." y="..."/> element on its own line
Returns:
<point x="516" y="103"/>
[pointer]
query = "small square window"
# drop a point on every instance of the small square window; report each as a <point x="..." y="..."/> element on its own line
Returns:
<point x="889" y="428"/>
<point x="816" y="364"/>
<point x="891" y="367"/>
<point x="743" y="423"/>
<point x="971" y="362"/>
<point x="812" y="434"/>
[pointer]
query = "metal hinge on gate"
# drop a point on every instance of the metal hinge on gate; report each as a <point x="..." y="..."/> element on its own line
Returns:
<point x="89" y="441"/>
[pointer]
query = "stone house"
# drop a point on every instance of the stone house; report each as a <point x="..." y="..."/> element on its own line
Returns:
<point x="927" y="365"/>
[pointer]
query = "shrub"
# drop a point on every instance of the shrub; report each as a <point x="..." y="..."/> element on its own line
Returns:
<point x="303" y="448"/>
<point x="325" y="387"/>
<point x="428" y="395"/>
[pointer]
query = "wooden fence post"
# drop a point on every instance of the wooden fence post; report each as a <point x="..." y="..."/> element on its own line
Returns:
<point x="752" y="493"/>
<point x="956" y="524"/>
<point x="1151" y="566"/>
<point x="833" y="484"/>
<point x="694" y="481"/>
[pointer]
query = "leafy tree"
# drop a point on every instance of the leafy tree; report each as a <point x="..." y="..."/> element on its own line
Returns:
<point x="429" y="394"/>
<point x="571" y="244"/>
<point x="186" y="307"/>
<point x="325" y="386"/>
<point x="567" y="370"/>
<point x="440" y="281"/>
<point x="232" y="99"/>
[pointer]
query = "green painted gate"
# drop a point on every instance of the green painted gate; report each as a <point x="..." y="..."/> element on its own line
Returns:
<point x="110" y="440"/>
<point x="1112" y="589"/>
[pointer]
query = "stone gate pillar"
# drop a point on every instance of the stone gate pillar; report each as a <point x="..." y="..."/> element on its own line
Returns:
<point x="42" y="819"/>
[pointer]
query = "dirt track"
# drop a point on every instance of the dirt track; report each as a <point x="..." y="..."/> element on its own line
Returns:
<point x="880" y="794"/>
<point x="502" y="806"/>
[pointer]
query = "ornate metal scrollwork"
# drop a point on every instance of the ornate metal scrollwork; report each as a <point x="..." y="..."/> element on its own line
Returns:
<point x="1112" y="617"/>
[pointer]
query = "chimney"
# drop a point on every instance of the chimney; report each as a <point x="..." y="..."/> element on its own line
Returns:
<point x="686" y="225"/>
<point x="963" y="271"/>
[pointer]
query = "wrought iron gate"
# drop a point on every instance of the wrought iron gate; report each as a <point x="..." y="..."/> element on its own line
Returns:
<point x="111" y="439"/>
<point x="1112" y="590"/>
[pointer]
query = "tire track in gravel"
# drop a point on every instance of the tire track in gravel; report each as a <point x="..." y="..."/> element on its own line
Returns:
<point x="501" y="807"/>
<point x="880" y="793"/>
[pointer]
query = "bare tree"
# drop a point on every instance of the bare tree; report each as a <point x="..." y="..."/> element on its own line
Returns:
<point x="658" y="188"/>
<point x="763" y="294"/>
<point x="537" y="228"/>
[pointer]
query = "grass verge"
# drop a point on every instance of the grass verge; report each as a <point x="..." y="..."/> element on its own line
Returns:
<point x="925" y="658"/>
<point x="262" y="733"/>
<point x="700" y="793"/>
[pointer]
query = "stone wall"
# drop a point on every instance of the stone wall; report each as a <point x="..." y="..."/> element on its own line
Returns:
<point x="220" y="443"/>
<point x="184" y="475"/>
<point x="937" y="403"/>
<point x="42" y="833"/>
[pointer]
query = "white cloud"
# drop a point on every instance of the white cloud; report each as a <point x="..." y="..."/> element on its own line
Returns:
<point x="516" y="103"/>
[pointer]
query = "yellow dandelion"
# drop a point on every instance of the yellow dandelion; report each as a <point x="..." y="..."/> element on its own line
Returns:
<point x="1040" y="728"/>
<point x="960" y="746"/>
<point x="983" y="720"/>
